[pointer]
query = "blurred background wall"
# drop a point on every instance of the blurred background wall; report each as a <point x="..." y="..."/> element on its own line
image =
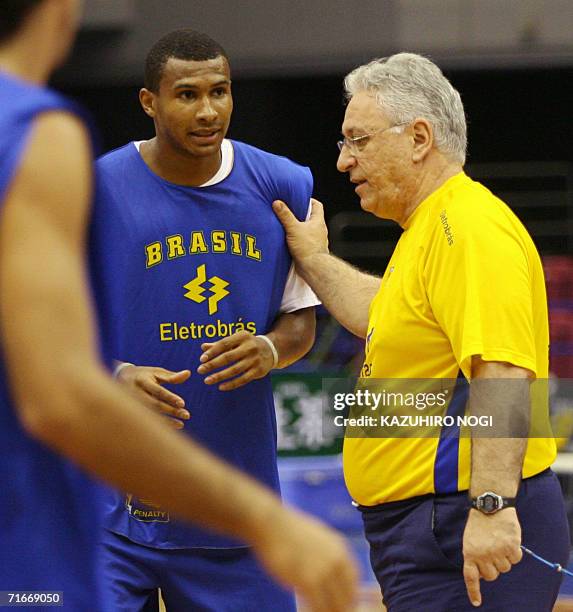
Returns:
<point x="325" y="36"/>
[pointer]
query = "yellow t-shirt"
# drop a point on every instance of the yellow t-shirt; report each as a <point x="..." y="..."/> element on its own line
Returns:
<point x="465" y="279"/>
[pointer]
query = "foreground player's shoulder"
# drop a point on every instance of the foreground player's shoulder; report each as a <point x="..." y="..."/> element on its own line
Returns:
<point x="33" y="98"/>
<point x="43" y="164"/>
<point x="53" y="184"/>
<point x="27" y="141"/>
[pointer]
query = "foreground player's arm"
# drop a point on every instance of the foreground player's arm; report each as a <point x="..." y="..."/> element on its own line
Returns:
<point x="250" y="357"/>
<point x="66" y="400"/>
<point x="344" y="290"/>
<point x="491" y="543"/>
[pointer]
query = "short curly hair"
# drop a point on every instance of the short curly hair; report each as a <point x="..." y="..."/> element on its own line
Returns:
<point x="185" y="44"/>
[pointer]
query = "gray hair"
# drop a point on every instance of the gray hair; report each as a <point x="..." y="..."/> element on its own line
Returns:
<point x="408" y="86"/>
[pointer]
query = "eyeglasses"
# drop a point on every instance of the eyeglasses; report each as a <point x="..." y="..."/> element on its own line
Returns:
<point x="355" y="145"/>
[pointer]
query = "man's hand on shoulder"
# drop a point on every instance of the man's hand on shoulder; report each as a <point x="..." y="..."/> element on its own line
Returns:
<point x="304" y="238"/>
<point x="147" y="384"/>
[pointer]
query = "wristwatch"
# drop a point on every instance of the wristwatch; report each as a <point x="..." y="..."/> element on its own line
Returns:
<point x="490" y="503"/>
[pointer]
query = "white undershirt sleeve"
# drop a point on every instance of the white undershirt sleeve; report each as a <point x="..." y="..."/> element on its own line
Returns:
<point x="297" y="293"/>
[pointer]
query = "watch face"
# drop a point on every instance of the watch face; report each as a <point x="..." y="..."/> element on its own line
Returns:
<point x="489" y="503"/>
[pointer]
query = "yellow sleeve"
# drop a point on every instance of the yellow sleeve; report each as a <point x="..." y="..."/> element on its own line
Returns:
<point x="479" y="287"/>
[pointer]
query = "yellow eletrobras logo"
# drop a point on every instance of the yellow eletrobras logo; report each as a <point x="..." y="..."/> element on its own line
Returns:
<point x="195" y="289"/>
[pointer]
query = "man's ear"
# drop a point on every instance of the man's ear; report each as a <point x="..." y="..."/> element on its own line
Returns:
<point x="147" y="101"/>
<point x="423" y="136"/>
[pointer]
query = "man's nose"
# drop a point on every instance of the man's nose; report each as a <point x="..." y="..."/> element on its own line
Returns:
<point x="346" y="160"/>
<point x="206" y="111"/>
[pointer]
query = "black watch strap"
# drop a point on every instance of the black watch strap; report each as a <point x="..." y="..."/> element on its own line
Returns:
<point x="490" y="502"/>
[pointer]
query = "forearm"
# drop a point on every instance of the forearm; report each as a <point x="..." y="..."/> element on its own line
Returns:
<point x="345" y="291"/>
<point x="497" y="465"/>
<point x="104" y="430"/>
<point x="498" y="451"/>
<point x="293" y="335"/>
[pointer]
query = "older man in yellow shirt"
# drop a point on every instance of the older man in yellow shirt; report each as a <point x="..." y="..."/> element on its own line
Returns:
<point x="463" y="298"/>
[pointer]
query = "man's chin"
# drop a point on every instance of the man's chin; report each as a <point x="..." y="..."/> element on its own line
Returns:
<point x="366" y="204"/>
<point x="204" y="151"/>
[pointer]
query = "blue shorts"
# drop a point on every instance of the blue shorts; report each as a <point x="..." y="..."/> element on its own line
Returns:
<point x="416" y="552"/>
<point x="202" y="580"/>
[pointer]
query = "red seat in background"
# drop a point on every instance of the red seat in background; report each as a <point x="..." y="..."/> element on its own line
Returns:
<point x="559" y="280"/>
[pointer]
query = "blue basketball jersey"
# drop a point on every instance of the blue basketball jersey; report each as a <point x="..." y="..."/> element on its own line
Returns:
<point x="179" y="266"/>
<point x="49" y="512"/>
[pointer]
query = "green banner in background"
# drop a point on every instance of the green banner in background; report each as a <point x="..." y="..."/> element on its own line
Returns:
<point x="300" y="405"/>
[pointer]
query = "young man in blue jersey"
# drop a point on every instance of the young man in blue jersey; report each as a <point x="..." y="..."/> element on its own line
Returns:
<point x="55" y="395"/>
<point x="196" y="273"/>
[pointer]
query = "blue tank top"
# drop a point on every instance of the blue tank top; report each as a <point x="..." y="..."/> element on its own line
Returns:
<point x="49" y="510"/>
<point x="178" y="266"/>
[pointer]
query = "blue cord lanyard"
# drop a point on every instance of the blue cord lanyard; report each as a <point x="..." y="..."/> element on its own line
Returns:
<point x="556" y="566"/>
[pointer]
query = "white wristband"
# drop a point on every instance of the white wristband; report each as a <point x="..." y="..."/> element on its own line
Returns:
<point x="273" y="349"/>
<point x="120" y="367"/>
